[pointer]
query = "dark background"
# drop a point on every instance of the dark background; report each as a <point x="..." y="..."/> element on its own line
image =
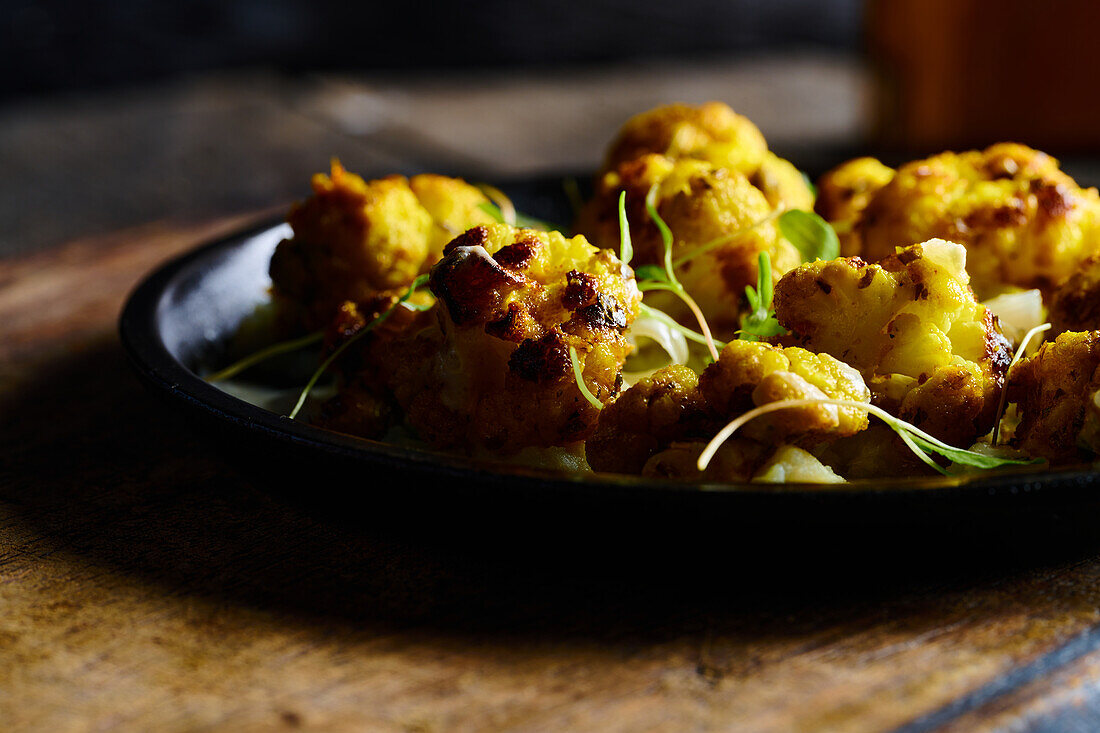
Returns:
<point x="52" y="45"/>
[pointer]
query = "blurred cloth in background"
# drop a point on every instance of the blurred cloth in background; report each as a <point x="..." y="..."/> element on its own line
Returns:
<point x="967" y="73"/>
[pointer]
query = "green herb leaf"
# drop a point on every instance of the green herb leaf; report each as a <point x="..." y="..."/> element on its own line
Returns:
<point x="626" y="250"/>
<point x="810" y="234"/>
<point x="492" y="210"/>
<point x="651" y="272"/>
<point x="760" y="322"/>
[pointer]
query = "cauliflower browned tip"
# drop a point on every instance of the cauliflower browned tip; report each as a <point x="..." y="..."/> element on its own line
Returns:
<point x="929" y="352"/>
<point x="1024" y="222"/>
<point x="715" y="177"/>
<point x="1055" y="395"/>
<point x="356" y="239"/>
<point x="493" y="369"/>
<point x="674" y="406"/>
<point x="1075" y="304"/>
<point x="649" y="416"/>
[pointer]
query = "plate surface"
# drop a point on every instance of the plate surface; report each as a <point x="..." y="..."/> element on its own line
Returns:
<point x="183" y="314"/>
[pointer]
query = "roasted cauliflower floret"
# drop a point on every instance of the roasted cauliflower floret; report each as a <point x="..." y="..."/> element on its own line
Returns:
<point x="929" y="352"/>
<point x="1075" y="305"/>
<point x="674" y="406"/>
<point x="751" y="373"/>
<point x="1055" y="394"/>
<point x="700" y="204"/>
<point x="494" y="370"/>
<point x="655" y="412"/>
<point x="1024" y="222"/>
<point x="844" y="192"/>
<point x="711" y="132"/>
<point x="715" y="178"/>
<point x="355" y="239"/>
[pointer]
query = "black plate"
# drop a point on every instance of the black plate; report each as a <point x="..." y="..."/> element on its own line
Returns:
<point x="183" y="314"/>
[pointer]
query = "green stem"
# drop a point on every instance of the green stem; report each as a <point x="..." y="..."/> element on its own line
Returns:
<point x="283" y="347"/>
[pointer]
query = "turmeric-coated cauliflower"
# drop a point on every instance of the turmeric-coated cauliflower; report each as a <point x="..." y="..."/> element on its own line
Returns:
<point x="929" y="352"/>
<point x="716" y="183"/>
<point x="493" y="369"/>
<point x="844" y="192"/>
<point x="356" y="239"/>
<point x="1024" y="222"/>
<point x="1055" y="394"/>
<point x="702" y="205"/>
<point x="711" y="132"/>
<point x="675" y="406"/>
<point x="1075" y="304"/>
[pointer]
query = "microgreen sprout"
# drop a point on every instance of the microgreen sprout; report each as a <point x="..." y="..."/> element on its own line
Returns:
<point x="921" y="443"/>
<point x="1004" y="391"/>
<point x="726" y="238"/>
<point x="811" y="235"/>
<point x="283" y="347"/>
<point x="378" y="320"/>
<point x="626" y="249"/>
<point x="573" y="192"/>
<point x="580" y="380"/>
<point x="664" y="279"/>
<point x="689" y="334"/>
<point x="504" y="211"/>
<point x="760" y="323"/>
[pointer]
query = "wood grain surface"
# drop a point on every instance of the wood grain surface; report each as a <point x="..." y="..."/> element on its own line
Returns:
<point x="147" y="584"/>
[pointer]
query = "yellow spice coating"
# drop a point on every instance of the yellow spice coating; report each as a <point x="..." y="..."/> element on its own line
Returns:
<point x="492" y="370"/>
<point x="651" y="415"/>
<point x="1054" y="392"/>
<point x="356" y="239"/>
<point x="716" y="177"/>
<point x="844" y="192"/>
<point x="674" y="405"/>
<point x="701" y="204"/>
<point x="711" y="132"/>
<point x="1075" y="304"/>
<point x="929" y="352"/>
<point x="1024" y="222"/>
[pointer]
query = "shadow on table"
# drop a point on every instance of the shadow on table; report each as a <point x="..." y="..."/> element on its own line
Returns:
<point x="100" y="468"/>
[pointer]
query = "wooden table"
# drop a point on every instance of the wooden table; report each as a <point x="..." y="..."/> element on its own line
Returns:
<point x="147" y="585"/>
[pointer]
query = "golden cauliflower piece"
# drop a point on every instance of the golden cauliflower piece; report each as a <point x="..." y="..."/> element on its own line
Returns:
<point x="1055" y="393"/>
<point x="700" y="204"/>
<point x="752" y="373"/>
<point x="1024" y="222"/>
<point x="844" y="192"/>
<point x="674" y="406"/>
<point x="711" y="132"/>
<point x="929" y="352"/>
<point x="355" y="239"/>
<point x="651" y="415"/>
<point x="493" y="370"/>
<point x="715" y="177"/>
<point x="1075" y="304"/>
